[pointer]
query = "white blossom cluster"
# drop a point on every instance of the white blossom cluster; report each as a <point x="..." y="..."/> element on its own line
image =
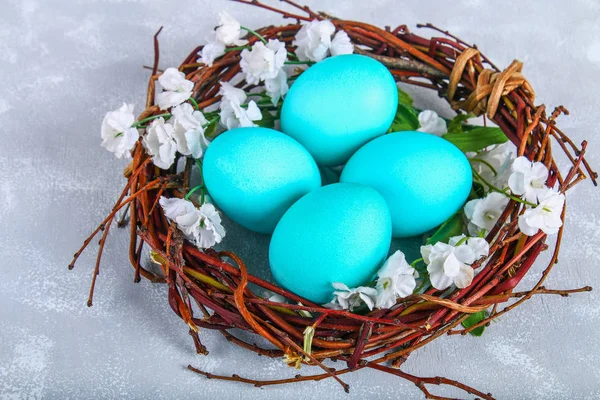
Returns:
<point x="265" y="62"/>
<point x="202" y="226"/>
<point x="395" y="279"/>
<point x="525" y="179"/>
<point x="183" y="132"/>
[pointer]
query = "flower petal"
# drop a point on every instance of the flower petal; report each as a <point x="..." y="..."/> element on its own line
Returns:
<point x="431" y="123"/>
<point x="253" y="113"/>
<point x="479" y="246"/>
<point x="340" y="286"/>
<point x="464" y="254"/>
<point x="521" y="164"/>
<point x="516" y="183"/>
<point x="368" y="300"/>
<point x="470" y="208"/>
<point x="464" y="277"/>
<point x="451" y="265"/>
<point x="168" y="99"/>
<point x="426" y="253"/>
<point x="525" y="227"/>
<point x="405" y="285"/>
<point x="453" y="241"/>
<point x="341" y="44"/>
<point x="438" y="278"/>
<point x="385" y="299"/>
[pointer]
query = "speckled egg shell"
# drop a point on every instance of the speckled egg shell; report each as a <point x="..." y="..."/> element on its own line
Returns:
<point x="423" y="178"/>
<point x="255" y="174"/>
<point x="337" y="233"/>
<point x="339" y="104"/>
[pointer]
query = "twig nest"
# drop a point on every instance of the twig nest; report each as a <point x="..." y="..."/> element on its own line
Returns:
<point x="470" y="264"/>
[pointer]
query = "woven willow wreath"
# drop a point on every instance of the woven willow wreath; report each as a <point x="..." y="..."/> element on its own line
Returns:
<point x="382" y="339"/>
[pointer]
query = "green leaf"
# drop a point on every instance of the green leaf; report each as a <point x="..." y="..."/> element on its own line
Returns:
<point x="452" y="227"/>
<point x="457" y="123"/>
<point x="404" y="98"/>
<point x="267" y="121"/>
<point x="406" y="119"/>
<point x="474" y="319"/>
<point x="477" y="138"/>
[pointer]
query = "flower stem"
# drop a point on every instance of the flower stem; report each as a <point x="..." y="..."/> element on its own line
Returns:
<point x="461" y="241"/>
<point x="211" y="121"/>
<point x="191" y="99"/>
<point x="496" y="189"/>
<point x="268" y="106"/>
<point x="250" y="31"/>
<point x="199" y="187"/>
<point x="143" y="121"/>
<point x="414" y="263"/>
<point x="490" y="166"/>
<point x="299" y="62"/>
<point x="229" y="49"/>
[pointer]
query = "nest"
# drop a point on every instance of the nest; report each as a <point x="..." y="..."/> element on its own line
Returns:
<point x="199" y="281"/>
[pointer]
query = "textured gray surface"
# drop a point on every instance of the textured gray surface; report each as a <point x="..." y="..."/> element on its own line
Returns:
<point x="65" y="63"/>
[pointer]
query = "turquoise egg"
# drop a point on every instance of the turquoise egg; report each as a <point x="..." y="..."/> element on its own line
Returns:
<point x="424" y="179"/>
<point x="339" y="104"/>
<point x="255" y="174"/>
<point x="337" y="233"/>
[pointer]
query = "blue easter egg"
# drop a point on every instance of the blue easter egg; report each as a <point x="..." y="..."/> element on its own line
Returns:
<point x="339" y="104"/>
<point x="255" y="174"/>
<point x="337" y="233"/>
<point x="424" y="179"/>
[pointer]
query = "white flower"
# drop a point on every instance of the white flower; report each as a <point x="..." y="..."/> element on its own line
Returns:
<point x="188" y="130"/>
<point x="160" y="144"/>
<point x="211" y="230"/>
<point x="349" y="299"/>
<point x="484" y="213"/>
<point x="228" y="33"/>
<point x="546" y="216"/>
<point x="449" y="265"/>
<point x="478" y="246"/>
<point x="229" y="30"/>
<point x="183" y="213"/>
<point x="263" y="62"/>
<point x="341" y="44"/>
<point x="277" y="87"/>
<point x="313" y="41"/>
<point x="396" y="278"/>
<point x="431" y="123"/>
<point x="232" y="114"/>
<point x="494" y="163"/>
<point x="201" y="226"/>
<point x="528" y="179"/>
<point x="177" y="89"/>
<point x="117" y="134"/>
<point x="211" y="50"/>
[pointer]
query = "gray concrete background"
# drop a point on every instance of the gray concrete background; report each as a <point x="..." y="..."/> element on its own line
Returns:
<point x="63" y="64"/>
